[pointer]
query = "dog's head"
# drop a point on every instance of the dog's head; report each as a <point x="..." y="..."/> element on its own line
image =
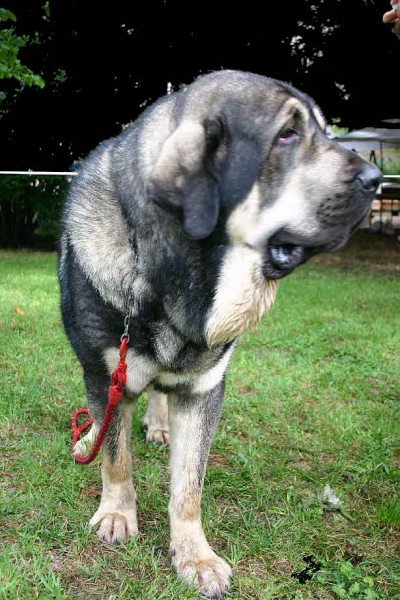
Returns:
<point x="251" y="155"/>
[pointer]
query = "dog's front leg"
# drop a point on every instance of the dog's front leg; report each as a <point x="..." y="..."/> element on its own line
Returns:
<point x="116" y="516"/>
<point x="192" y="424"/>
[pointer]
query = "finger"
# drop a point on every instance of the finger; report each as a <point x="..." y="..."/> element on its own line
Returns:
<point x="390" y="17"/>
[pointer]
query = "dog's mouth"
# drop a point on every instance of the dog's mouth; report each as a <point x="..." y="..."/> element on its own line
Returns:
<point x="284" y="251"/>
<point x="282" y="256"/>
<point x="282" y="259"/>
<point x="286" y="257"/>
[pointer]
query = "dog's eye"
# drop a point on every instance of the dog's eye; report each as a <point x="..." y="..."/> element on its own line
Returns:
<point x="287" y="135"/>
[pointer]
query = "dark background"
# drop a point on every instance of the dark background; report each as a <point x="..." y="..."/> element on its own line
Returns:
<point x="102" y="63"/>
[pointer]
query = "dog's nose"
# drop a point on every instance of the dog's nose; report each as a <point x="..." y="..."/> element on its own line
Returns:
<point x="370" y="177"/>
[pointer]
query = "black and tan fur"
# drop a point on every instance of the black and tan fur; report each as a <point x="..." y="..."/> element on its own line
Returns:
<point x="188" y="220"/>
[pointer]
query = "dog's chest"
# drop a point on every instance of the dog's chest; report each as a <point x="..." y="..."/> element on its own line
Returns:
<point x="173" y="366"/>
<point x="243" y="296"/>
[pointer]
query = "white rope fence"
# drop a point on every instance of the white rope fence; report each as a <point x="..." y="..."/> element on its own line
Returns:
<point x="73" y="173"/>
<point x="37" y="173"/>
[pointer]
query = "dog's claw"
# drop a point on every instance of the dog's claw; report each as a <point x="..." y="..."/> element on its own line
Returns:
<point x="160" y="437"/>
<point x="114" y="528"/>
<point x="210" y="575"/>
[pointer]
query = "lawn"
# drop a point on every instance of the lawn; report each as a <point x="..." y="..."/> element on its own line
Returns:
<point x="312" y="400"/>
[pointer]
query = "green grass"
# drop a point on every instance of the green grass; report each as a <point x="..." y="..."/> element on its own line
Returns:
<point x="312" y="399"/>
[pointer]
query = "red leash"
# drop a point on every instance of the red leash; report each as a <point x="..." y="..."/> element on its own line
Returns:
<point x="115" y="392"/>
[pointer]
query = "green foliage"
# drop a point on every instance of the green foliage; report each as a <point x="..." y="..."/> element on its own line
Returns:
<point x="7" y="15"/>
<point x="30" y="209"/>
<point x="10" y="65"/>
<point x="60" y="76"/>
<point x="46" y="9"/>
<point x="348" y="581"/>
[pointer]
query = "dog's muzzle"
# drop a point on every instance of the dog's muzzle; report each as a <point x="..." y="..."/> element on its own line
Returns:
<point x="285" y="251"/>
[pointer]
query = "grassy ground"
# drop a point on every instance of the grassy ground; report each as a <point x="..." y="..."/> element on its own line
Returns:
<point x="312" y="400"/>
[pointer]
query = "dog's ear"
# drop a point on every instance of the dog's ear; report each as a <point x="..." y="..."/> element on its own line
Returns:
<point x="183" y="179"/>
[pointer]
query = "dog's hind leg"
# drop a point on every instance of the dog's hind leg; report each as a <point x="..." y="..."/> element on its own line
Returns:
<point x="156" y="418"/>
<point x="116" y="516"/>
<point x="192" y="425"/>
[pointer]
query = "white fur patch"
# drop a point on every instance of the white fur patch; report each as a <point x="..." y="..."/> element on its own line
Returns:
<point x="242" y="297"/>
<point x="200" y="383"/>
<point x="140" y="370"/>
<point x="243" y="294"/>
<point x="245" y="217"/>
<point x="292" y="210"/>
<point x="209" y="380"/>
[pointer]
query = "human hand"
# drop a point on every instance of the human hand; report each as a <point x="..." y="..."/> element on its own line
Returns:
<point x="393" y="16"/>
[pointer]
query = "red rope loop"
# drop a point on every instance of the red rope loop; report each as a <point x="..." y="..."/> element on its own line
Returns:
<point x="115" y="393"/>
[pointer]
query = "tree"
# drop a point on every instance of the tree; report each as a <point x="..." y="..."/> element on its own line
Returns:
<point x="10" y="46"/>
<point x="103" y="65"/>
<point x="30" y="210"/>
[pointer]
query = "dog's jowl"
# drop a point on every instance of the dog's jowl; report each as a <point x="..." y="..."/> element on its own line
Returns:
<point x="187" y="221"/>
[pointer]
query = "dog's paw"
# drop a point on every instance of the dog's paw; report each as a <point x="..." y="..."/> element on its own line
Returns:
<point x="208" y="573"/>
<point x="155" y="435"/>
<point x="157" y="429"/>
<point x="156" y="419"/>
<point x="115" y="527"/>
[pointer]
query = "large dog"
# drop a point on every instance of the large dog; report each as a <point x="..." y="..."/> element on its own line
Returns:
<point x="187" y="221"/>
